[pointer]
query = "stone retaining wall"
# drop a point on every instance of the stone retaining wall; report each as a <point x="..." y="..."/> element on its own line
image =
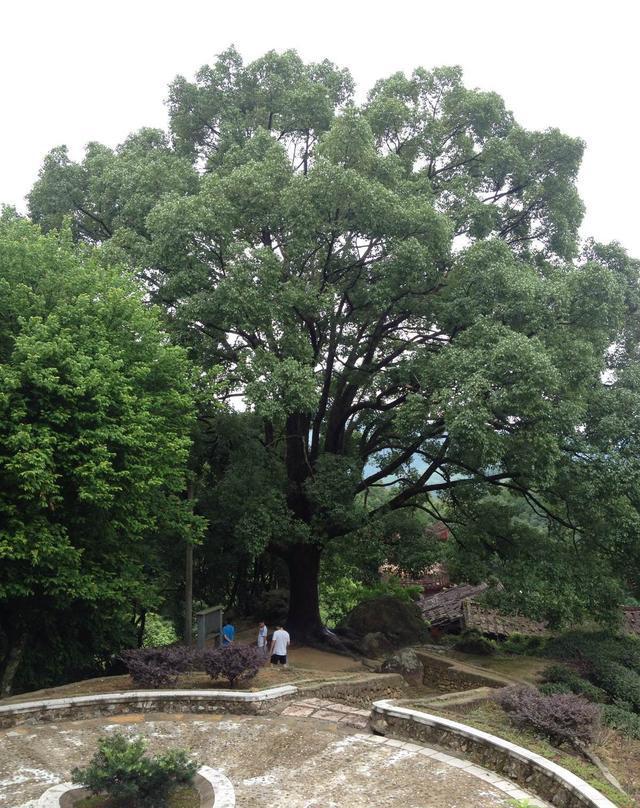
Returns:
<point x="549" y="781"/>
<point x="142" y="701"/>
<point x="463" y="702"/>
<point x="359" y="692"/>
<point x="446" y="676"/>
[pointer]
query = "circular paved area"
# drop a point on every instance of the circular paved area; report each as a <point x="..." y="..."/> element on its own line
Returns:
<point x="272" y="761"/>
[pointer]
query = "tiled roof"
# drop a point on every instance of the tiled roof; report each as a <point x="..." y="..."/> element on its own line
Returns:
<point x="438" y="530"/>
<point x="446" y="607"/>
<point x="497" y="624"/>
<point x="631" y="621"/>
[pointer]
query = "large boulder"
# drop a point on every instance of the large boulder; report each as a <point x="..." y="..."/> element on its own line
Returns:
<point x="378" y="626"/>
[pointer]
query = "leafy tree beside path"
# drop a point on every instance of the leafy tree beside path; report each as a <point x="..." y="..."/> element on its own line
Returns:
<point x="95" y="417"/>
<point x="395" y="288"/>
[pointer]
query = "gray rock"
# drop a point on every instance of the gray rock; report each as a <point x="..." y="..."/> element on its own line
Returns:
<point x="407" y="663"/>
<point x="378" y="725"/>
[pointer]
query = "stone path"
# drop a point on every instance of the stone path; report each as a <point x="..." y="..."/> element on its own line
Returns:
<point x="326" y="710"/>
<point x="272" y="760"/>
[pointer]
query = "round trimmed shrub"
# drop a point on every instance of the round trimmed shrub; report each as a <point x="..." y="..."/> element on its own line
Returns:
<point x="234" y="663"/>
<point x="158" y="667"/>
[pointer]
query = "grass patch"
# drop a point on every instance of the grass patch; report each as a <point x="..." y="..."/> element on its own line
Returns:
<point x="519" y="668"/>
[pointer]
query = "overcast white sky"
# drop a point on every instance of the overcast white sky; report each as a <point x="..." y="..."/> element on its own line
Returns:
<point x="72" y="71"/>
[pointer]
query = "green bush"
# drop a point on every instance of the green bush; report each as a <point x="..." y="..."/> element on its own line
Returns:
<point x="611" y="662"/>
<point x="158" y="631"/>
<point x="593" y="647"/>
<point x="523" y="644"/>
<point x="472" y="642"/>
<point x="552" y="688"/>
<point x="338" y="597"/>
<point x="624" y="721"/>
<point x="622" y="684"/>
<point x="392" y="588"/>
<point x="573" y="682"/>
<point x="121" y="771"/>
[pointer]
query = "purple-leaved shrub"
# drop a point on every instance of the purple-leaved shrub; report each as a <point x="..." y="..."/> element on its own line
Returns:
<point x="562" y="717"/>
<point x="234" y="663"/>
<point x="159" y="667"/>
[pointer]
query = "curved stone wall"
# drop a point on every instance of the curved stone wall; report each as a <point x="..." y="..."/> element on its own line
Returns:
<point x="357" y="690"/>
<point x="141" y="701"/>
<point x="553" y="783"/>
<point x="533" y="772"/>
<point x="214" y="788"/>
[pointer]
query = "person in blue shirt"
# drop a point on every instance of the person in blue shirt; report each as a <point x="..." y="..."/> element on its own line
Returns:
<point x="228" y="634"/>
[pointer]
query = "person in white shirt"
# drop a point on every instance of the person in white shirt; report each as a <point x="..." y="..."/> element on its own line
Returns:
<point x="279" y="644"/>
<point x="262" y="638"/>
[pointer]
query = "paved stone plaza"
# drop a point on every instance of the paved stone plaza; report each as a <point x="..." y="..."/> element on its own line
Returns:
<point x="286" y="760"/>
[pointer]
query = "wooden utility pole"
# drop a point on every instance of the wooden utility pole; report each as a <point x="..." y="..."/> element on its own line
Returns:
<point x="188" y="585"/>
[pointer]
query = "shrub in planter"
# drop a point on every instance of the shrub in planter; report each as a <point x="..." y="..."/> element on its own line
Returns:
<point x="562" y="717"/>
<point x="121" y="771"/>
<point x="158" y="667"/>
<point x="234" y="663"/>
<point x="472" y="642"/>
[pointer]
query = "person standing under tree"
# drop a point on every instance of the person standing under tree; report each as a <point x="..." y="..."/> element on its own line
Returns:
<point x="279" y="644"/>
<point x="262" y="638"/>
<point x="228" y="634"/>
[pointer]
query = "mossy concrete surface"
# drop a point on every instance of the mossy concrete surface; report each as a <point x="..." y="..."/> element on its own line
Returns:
<point x="272" y="761"/>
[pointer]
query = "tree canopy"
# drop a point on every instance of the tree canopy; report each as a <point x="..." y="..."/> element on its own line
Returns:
<point x="395" y="289"/>
<point x="96" y="410"/>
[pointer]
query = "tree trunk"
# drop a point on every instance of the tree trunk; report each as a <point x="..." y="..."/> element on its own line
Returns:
<point x="13" y="660"/>
<point x="188" y="580"/>
<point x="304" y="623"/>
<point x="141" y="627"/>
<point x="188" y="595"/>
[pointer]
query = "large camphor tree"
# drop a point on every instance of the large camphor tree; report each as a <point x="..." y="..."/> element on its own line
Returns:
<point x="395" y="288"/>
<point x="96" y="410"/>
